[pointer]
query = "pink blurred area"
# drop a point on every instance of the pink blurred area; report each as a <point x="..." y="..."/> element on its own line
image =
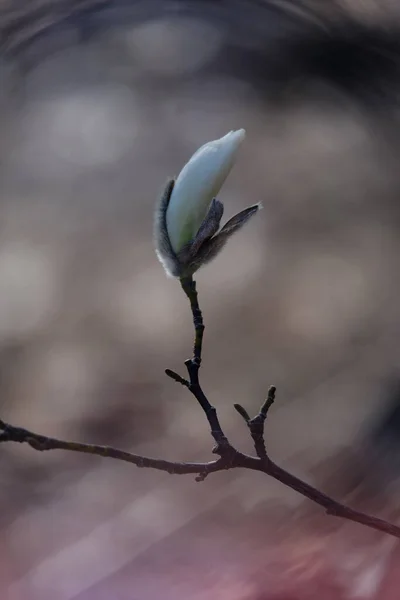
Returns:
<point x="305" y="298"/>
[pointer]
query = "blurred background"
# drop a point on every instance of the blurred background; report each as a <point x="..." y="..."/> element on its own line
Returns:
<point x="100" y="102"/>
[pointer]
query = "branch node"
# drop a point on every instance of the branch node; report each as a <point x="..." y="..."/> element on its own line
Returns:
<point x="37" y="444"/>
<point x="223" y="448"/>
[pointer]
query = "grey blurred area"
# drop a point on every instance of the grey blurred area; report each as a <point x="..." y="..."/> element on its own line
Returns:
<point x="100" y="102"/>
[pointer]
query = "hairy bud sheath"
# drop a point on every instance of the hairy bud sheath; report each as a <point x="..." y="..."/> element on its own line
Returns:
<point x="188" y="216"/>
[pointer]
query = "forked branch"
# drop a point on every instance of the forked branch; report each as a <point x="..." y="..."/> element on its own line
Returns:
<point x="228" y="456"/>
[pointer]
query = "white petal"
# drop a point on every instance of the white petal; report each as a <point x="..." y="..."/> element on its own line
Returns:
<point x="197" y="184"/>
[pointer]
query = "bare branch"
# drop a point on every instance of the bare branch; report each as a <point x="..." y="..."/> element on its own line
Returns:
<point x="229" y="457"/>
<point x="42" y="443"/>
<point x="193" y="367"/>
<point x="189" y="287"/>
<point x="234" y="460"/>
<point x="256" y="425"/>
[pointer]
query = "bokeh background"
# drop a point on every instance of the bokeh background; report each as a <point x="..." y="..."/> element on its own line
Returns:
<point x="99" y="103"/>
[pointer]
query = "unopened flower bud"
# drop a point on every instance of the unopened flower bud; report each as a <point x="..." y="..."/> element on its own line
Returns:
<point x="188" y="216"/>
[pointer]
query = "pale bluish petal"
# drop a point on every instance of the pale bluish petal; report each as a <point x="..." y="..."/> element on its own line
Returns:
<point x="197" y="184"/>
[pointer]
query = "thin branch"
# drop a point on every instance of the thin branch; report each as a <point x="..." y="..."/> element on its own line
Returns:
<point x="332" y="507"/>
<point x="229" y="457"/>
<point x="177" y="378"/>
<point x="223" y="445"/>
<point x="42" y="443"/>
<point x="268" y="402"/>
<point x="189" y="287"/>
<point x="235" y="460"/>
<point x="256" y="425"/>
<point x="193" y="366"/>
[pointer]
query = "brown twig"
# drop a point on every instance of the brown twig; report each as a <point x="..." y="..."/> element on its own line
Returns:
<point x="234" y="460"/>
<point x="193" y="367"/>
<point x="256" y="425"/>
<point x="229" y="456"/>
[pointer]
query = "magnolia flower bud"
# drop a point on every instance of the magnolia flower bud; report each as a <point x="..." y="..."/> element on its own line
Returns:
<point x="197" y="184"/>
<point x="188" y="216"/>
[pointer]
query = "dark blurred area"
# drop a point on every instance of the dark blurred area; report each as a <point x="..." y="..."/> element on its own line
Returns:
<point x="99" y="103"/>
